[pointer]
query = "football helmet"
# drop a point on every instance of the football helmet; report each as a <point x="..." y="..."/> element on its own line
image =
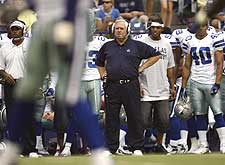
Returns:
<point x="183" y="108"/>
<point x="123" y="116"/>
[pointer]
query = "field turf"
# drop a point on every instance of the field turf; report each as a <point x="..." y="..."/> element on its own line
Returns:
<point x="185" y="159"/>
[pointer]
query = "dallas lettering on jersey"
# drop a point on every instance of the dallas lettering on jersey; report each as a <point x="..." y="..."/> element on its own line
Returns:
<point x="163" y="52"/>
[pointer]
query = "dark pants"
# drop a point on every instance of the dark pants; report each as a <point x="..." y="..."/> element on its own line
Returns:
<point x="28" y="141"/>
<point x="9" y="98"/>
<point x="129" y="95"/>
<point x="156" y="114"/>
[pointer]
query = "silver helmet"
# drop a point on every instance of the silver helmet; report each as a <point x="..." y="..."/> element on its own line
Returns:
<point x="183" y="108"/>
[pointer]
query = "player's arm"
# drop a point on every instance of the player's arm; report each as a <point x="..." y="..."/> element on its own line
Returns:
<point x="186" y="70"/>
<point x="219" y="65"/>
<point x="177" y="58"/>
<point x="171" y="78"/>
<point x="149" y="62"/>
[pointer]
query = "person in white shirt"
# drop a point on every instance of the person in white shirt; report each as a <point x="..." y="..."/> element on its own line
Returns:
<point x="157" y="83"/>
<point x="12" y="61"/>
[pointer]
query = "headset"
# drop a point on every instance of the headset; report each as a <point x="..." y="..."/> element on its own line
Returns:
<point x="127" y="24"/>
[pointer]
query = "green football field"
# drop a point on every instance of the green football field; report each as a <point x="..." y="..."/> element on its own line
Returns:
<point x="207" y="159"/>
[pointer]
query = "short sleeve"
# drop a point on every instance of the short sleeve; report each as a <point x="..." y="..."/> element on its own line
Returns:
<point x="146" y="51"/>
<point x="2" y="61"/>
<point x="100" y="60"/>
<point x="218" y="41"/>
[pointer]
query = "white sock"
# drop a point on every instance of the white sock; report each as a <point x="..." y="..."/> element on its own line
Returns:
<point x="194" y="141"/>
<point x="68" y="145"/>
<point x="39" y="143"/>
<point x="184" y="136"/>
<point x="164" y="140"/>
<point x="64" y="138"/>
<point x="173" y="142"/>
<point x="122" y="138"/>
<point x="203" y="138"/>
<point x="221" y="134"/>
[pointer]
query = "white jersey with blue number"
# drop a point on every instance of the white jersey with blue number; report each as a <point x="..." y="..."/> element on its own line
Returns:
<point x="4" y="39"/>
<point x="203" y="69"/>
<point x="181" y="34"/>
<point x="90" y="69"/>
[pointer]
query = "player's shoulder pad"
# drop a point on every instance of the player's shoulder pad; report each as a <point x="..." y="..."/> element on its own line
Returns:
<point x="168" y="36"/>
<point x="139" y="36"/>
<point x="189" y="37"/>
<point x="177" y="32"/>
<point x="102" y="38"/>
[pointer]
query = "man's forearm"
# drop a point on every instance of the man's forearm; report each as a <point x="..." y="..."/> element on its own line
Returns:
<point x="219" y="66"/>
<point x="171" y="76"/>
<point x="185" y="76"/>
<point x="102" y="71"/>
<point x="219" y="72"/>
<point x="149" y="62"/>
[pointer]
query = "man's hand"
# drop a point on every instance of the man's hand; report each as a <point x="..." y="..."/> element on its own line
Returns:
<point x="108" y="19"/>
<point x="48" y="116"/>
<point x="172" y="94"/>
<point x="9" y="79"/>
<point x="215" y="88"/>
<point x="141" y="91"/>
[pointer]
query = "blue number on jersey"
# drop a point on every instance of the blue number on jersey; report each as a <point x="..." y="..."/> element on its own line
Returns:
<point x="137" y="36"/>
<point x="203" y="56"/>
<point x="168" y="36"/>
<point x="91" y="58"/>
<point x="179" y="31"/>
<point x="101" y="38"/>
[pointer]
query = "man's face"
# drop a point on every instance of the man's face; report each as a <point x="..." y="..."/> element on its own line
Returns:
<point x="156" y="31"/>
<point x="120" y="30"/>
<point x="202" y="30"/>
<point x="16" y="32"/>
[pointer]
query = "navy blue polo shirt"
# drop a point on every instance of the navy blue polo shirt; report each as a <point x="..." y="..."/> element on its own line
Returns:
<point x="122" y="61"/>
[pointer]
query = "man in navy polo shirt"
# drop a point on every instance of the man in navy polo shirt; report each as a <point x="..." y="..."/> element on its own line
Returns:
<point x="118" y="64"/>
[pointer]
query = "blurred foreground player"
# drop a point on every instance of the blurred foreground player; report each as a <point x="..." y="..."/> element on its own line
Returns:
<point x="58" y="41"/>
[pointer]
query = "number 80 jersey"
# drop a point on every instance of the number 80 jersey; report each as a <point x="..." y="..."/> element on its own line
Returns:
<point x="203" y="69"/>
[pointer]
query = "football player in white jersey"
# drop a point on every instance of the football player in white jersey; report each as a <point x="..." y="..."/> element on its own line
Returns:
<point x="222" y="85"/>
<point x="189" y="126"/>
<point x="90" y="86"/>
<point x="177" y="134"/>
<point x="4" y="38"/>
<point x="157" y="84"/>
<point x="204" y="60"/>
